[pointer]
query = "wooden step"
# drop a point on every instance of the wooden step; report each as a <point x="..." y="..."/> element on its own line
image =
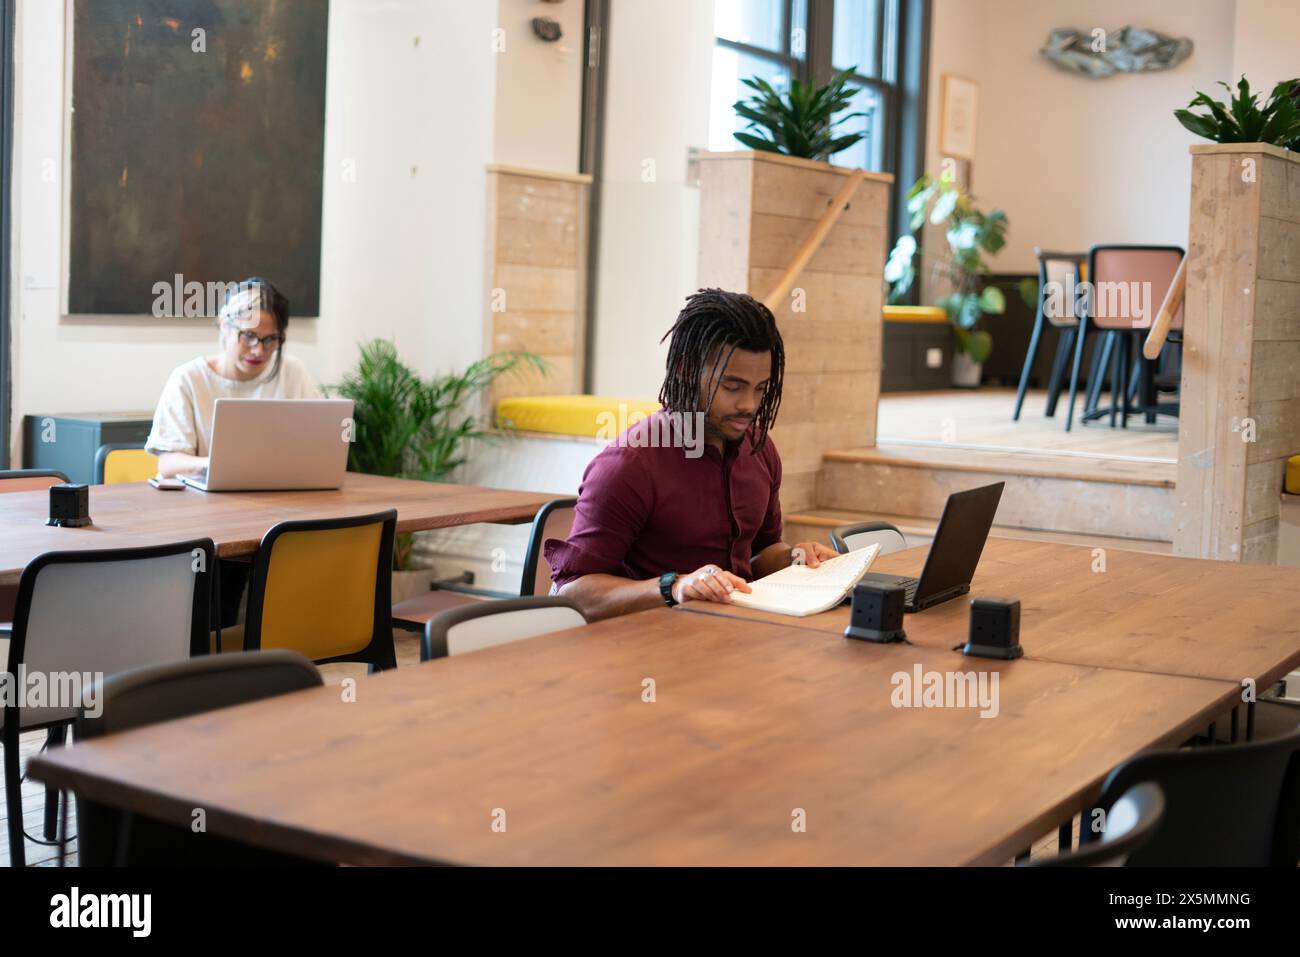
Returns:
<point x="1074" y="494"/>
<point x="816" y="526"/>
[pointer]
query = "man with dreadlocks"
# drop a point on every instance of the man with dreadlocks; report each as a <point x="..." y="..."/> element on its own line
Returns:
<point x="649" y="511"/>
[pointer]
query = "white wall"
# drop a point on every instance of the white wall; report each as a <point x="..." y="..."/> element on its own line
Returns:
<point x="1266" y="43"/>
<point x="402" y="246"/>
<point x="539" y="87"/>
<point x="657" y="106"/>
<point x="1072" y="160"/>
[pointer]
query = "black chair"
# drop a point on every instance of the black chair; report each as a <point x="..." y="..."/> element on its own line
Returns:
<point x="553" y="520"/>
<point x="1232" y="805"/>
<point x="323" y="586"/>
<point x="1131" y="823"/>
<point x="847" y="538"/>
<point x="485" y="624"/>
<point x="108" y="836"/>
<point x="1063" y="270"/>
<point x="75" y="611"/>
<point x="21" y="480"/>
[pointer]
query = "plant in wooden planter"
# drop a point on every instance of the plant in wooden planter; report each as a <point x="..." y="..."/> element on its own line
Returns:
<point x="971" y="235"/>
<point x="1243" y="119"/>
<point x="807" y="238"/>
<point x="415" y="428"/>
<point x="800" y="123"/>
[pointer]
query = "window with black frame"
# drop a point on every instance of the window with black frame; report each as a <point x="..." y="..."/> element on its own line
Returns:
<point x="811" y="40"/>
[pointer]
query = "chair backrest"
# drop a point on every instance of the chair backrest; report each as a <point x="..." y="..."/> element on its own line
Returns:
<point x="157" y="693"/>
<point x="21" y="480"/>
<point x="489" y="623"/>
<point x="1064" y="271"/>
<point x="154" y="693"/>
<point x="1129" y="284"/>
<point x="850" y="538"/>
<point x="121" y="462"/>
<point x="1131" y="823"/>
<point x="1230" y="805"/>
<point x="323" y="587"/>
<point x="29" y="480"/>
<point x="107" y="610"/>
<point x="553" y="520"/>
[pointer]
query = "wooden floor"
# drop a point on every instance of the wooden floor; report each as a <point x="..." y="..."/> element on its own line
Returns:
<point x="981" y="419"/>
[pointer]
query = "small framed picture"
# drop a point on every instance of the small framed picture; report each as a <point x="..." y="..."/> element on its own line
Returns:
<point x="957" y="125"/>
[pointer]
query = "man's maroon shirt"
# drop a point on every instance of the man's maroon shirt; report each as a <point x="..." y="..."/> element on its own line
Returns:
<point x="645" y="510"/>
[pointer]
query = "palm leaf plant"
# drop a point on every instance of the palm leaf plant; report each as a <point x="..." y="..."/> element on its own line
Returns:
<point x="1243" y="119"/>
<point x="405" y="426"/>
<point x="801" y="122"/>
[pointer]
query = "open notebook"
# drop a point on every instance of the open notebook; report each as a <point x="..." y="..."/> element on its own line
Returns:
<point x="799" y="590"/>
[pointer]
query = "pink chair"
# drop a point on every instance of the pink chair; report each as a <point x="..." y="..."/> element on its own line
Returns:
<point x="1127" y="285"/>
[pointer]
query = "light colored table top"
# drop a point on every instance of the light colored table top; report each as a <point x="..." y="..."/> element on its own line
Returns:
<point x="137" y="514"/>
<point x="1145" y="612"/>
<point x="748" y="726"/>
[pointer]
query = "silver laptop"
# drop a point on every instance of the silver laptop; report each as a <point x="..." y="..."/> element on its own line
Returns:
<point x="267" y="444"/>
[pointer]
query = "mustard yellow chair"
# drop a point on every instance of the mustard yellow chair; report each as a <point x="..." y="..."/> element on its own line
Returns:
<point x="323" y="587"/>
<point x="118" y="463"/>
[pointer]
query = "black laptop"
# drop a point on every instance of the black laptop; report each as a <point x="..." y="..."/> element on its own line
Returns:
<point x="958" y="543"/>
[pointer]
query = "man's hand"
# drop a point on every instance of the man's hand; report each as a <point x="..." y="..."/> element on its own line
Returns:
<point x="709" y="583"/>
<point x="811" y="554"/>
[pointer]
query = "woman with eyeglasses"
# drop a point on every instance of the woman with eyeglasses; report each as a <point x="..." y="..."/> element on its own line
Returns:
<point x="251" y="364"/>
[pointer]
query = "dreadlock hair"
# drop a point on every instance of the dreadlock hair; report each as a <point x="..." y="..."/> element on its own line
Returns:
<point x="713" y="325"/>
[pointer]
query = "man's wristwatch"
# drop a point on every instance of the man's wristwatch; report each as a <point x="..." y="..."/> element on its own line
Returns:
<point x="666" y="582"/>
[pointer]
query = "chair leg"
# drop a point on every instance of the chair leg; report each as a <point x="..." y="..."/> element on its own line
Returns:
<point x="1065" y="836"/>
<point x="1129" y="366"/>
<point x="1097" y="373"/>
<point x="14" y="801"/>
<point x="1116" y="389"/>
<point x="55" y="738"/>
<point x="1074" y="372"/>
<point x="1059" y="362"/>
<point x="1030" y="354"/>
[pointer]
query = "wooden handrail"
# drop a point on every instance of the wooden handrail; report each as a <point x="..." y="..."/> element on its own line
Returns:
<point x="1168" y="309"/>
<point x="815" y="238"/>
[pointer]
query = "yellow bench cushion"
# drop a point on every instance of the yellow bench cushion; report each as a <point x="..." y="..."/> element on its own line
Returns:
<point x="914" y="314"/>
<point x="1293" y="475"/>
<point x="588" y="416"/>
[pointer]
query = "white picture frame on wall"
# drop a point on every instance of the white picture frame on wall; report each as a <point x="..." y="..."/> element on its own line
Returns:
<point x="960" y="109"/>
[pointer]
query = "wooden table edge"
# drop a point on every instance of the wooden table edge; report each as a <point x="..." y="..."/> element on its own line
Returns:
<point x="1047" y="821"/>
<point x="286" y="838"/>
<point x="1267" y="678"/>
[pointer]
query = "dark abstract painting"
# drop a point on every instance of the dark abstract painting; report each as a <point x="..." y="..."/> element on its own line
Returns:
<point x="197" y="148"/>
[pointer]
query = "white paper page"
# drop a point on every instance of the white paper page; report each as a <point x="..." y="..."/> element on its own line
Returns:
<point x="799" y="590"/>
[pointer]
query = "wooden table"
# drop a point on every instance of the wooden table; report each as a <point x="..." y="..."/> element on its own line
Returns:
<point x="1153" y="613"/>
<point x="138" y="514"/>
<point x="749" y="724"/>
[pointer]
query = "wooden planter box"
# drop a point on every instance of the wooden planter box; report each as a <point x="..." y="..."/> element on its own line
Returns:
<point x="756" y="209"/>
<point x="1241" y="357"/>
<point x="537" y="269"/>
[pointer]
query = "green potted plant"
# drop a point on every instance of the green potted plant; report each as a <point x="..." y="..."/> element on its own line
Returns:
<point x="1244" y="120"/>
<point x="971" y="235"/>
<point x="801" y="122"/>
<point x="414" y="428"/>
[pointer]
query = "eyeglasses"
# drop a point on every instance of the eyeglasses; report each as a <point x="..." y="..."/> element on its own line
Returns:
<point x="250" y="339"/>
